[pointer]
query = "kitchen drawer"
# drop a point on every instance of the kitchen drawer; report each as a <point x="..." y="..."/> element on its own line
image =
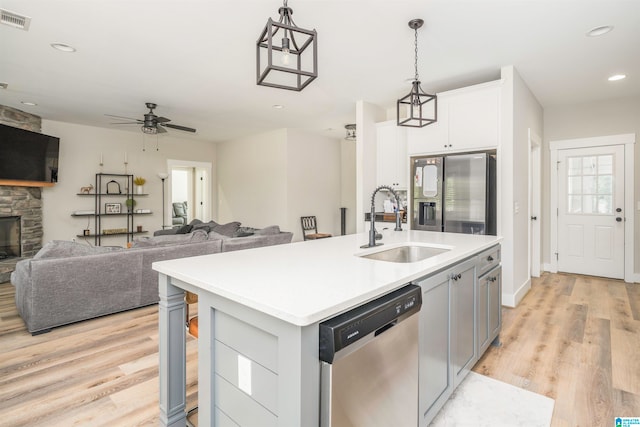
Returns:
<point x="488" y="259"/>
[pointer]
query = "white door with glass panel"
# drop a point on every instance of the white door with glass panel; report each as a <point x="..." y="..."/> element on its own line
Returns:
<point x="590" y="211"/>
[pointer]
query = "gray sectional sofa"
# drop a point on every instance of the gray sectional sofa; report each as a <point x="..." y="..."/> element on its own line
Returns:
<point x="66" y="282"/>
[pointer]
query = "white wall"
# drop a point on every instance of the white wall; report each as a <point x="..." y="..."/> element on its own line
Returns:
<point x="80" y="148"/>
<point x="520" y="112"/>
<point x="313" y="181"/>
<point x="276" y="177"/>
<point x="367" y="115"/>
<point x="600" y="118"/>
<point x="252" y="180"/>
<point x="348" y="183"/>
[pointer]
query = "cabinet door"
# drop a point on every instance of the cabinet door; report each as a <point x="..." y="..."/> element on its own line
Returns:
<point x="482" y="322"/>
<point x="435" y="327"/>
<point x="392" y="159"/>
<point x="431" y="139"/>
<point x="463" y="314"/>
<point x="474" y="119"/>
<point x="495" y="303"/>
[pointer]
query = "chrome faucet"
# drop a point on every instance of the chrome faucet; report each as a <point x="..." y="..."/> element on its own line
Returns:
<point x="372" y="232"/>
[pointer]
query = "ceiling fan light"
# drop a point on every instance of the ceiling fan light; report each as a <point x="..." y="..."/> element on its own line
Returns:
<point x="149" y="130"/>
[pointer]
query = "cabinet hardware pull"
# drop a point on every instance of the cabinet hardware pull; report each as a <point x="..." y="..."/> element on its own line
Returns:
<point x="489" y="258"/>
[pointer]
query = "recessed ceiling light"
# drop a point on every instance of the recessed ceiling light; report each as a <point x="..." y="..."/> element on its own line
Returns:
<point x="278" y="106"/>
<point x="598" y="31"/>
<point x="617" y="77"/>
<point x="29" y="103"/>
<point x="63" y="47"/>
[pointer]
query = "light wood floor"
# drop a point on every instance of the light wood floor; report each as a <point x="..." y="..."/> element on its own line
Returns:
<point x="573" y="338"/>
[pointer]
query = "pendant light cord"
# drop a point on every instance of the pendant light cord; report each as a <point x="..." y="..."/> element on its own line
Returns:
<point x="416" y="61"/>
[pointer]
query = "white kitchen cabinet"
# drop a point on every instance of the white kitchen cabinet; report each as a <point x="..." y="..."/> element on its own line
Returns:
<point x="468" y="120"/>
<point x="392" y="159"/>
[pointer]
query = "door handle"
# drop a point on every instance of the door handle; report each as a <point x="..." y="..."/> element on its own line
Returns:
<point x="534" y="218"/>
<point x="618" y="219"/>
<point x="618" y="210"/>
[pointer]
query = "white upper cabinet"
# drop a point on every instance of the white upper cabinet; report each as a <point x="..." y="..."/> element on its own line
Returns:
<point x="468" y="119"/>
<point x="392" y="158"/>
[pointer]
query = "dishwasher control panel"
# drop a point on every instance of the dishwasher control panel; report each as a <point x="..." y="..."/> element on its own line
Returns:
<point x="368" y="320"/>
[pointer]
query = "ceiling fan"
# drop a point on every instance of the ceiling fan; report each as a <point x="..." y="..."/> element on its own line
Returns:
<point x="151" y="124"/>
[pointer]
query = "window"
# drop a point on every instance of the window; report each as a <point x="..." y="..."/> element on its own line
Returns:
<point x="590" y="185"/>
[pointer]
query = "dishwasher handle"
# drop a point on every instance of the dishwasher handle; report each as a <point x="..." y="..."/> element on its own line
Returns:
<point x="386" y="327"/>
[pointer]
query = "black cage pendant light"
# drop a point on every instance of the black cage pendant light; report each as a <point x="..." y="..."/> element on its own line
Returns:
<point x="286" y="55"/>
<point x="417" y="109"/>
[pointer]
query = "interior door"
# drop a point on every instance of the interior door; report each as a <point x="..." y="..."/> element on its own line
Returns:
<point x="590" y="211"/>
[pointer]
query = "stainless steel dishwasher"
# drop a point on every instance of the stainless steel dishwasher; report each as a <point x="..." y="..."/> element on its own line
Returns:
<point x="369" y="358"/>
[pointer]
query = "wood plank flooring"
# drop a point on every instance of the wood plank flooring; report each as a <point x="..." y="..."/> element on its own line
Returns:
<point x="573" y="338"/>
<point x="101" y="372"/>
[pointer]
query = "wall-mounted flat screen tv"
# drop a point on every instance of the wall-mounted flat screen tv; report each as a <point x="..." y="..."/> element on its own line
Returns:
<point x="28" y="156"/>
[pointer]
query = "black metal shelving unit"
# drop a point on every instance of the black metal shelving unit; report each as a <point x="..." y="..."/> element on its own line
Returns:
<point x="105" y="188"/>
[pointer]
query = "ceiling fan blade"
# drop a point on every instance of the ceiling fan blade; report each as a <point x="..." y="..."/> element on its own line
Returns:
<point x="160" y="129"/>
<point x="125" y="123"/>
<point x="162" y="120"/>
<point x="184" y="128"/>
<point x="126" y="118"/>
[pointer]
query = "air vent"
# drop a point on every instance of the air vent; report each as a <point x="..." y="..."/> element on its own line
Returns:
<point x="14" y="20"/>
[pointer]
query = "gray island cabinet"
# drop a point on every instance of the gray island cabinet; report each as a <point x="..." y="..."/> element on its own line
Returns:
<point x="259" y="312"/>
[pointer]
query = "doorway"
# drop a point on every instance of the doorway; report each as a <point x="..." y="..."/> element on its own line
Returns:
<point x="535" y="183"/>
<point x="190" y="183"/>
<point x="592" y="218"/>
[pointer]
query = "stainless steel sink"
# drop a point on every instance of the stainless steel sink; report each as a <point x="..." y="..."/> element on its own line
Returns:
<point x="407" y="253"/>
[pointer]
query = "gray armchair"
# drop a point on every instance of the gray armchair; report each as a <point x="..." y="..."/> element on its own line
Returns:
<point x="179" y="213"/>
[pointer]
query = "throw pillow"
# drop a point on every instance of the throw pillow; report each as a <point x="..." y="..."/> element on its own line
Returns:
<point x="272" y="229"/>
<point x="226" y="229"/>
<point x="206" y="226"/>
<point x="244" y="231"/>
<point x="184" y="229"/>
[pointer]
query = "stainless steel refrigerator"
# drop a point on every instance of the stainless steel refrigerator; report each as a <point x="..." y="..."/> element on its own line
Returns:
<point x="454" y="193"/>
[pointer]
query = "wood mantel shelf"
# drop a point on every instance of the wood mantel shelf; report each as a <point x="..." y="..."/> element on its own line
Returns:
<point x="20" y="183"/>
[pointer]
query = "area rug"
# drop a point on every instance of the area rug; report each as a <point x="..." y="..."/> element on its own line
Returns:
<point x="482" y="401"/>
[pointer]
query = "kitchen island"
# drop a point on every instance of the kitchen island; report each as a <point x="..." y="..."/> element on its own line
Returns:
<point x="259" y="311"/>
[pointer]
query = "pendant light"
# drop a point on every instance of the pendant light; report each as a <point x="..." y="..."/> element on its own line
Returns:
<point x="421" y="108"/>
<point x="351" y="132"/>
<point x="286" y="55"/>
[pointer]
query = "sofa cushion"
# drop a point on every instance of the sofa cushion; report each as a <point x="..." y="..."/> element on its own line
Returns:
<point x="272" y="229"/>
<point x="63" y="249"/>
<point x="171" y="239"/>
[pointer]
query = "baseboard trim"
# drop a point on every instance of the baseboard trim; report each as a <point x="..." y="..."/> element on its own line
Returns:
<point x="512" y="300"/>
<point x="547" y="267"/>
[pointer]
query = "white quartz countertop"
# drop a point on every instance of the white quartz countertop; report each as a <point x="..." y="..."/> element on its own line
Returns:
<point x="307" y="282"/>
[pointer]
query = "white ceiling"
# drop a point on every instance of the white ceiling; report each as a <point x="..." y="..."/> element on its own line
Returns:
<point x="196" y="59"/>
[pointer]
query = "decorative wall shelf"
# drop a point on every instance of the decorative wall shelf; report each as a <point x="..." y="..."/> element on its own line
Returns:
<point x="105" y="182"/>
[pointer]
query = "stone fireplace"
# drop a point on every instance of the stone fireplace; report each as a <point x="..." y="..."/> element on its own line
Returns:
<point x="20" y="207"/>
<point x="24" y="203"/>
